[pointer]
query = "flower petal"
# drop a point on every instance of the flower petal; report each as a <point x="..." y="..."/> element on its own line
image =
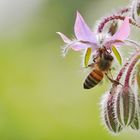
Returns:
<point x="77" y="46"/>
<point x="123" y="32"/>
<point x="111" y="43"/>
<point x="82" y="31"/>
<point x="118" y="43"/>
<point x="74" y="45"/>
<point x="64" y="38"/>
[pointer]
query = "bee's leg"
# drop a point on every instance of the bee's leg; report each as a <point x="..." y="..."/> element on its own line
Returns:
<point x="94" y="59"/>
<point x="110" y="73"/>
<point x="112" y="68"/>
<point x="91" y="65"/>
<point x="112" y="80"/>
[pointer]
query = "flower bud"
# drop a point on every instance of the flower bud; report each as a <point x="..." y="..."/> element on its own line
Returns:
<point x="136" y="11"/>
<point x="136" y="122"/>
<point x="108" y="114"/>
<point x="113" y="27"/>
<point x="125" y="106"/>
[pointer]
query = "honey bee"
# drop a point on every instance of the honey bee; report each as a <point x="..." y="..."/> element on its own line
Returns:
<point x="100" y="67"/>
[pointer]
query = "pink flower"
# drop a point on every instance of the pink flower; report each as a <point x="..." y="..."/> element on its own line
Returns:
<point x="86" y="38"/>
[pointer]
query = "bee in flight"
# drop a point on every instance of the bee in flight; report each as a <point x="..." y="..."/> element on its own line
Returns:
<point x="101" y="66"/>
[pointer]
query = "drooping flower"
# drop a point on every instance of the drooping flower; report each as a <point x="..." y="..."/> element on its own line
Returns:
<point x="86" y="38"/>
<point x="120" y="106"/>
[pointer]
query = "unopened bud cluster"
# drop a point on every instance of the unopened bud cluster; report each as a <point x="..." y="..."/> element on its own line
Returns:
<point x="121" y="106"/>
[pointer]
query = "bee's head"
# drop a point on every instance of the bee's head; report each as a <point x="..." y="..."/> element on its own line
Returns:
<point x="108" y="56"/>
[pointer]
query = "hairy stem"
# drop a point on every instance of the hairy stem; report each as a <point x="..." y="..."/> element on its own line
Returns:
<point x="114" y="17"/>
<point x="124" y="10"/>
<point x="131" y="43"/>
<point x="122" y="70"/>
<point x="130" y="69"/>
<point x="124" y="67"/>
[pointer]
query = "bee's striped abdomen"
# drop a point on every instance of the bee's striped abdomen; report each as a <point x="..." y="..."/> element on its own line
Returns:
<point x="93" y="79"/>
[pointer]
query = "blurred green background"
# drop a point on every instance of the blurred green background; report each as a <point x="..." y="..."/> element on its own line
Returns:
<point x="41" y="94"/>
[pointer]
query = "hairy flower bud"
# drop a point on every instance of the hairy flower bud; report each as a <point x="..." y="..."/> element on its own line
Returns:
<point x="136" y="11"/>
<point x="125" y="106"/>
<point x="136" y="122"/>
<point x="108" y="114"/>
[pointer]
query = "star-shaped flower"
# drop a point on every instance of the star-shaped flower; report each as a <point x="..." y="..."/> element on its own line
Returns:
<point x="86" y="38"/>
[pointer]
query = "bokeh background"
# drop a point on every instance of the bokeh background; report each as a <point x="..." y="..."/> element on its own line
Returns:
<point x="41" y="94"/>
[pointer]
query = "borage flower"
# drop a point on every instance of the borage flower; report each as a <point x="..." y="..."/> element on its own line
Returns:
<point x="86" y="38"/>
